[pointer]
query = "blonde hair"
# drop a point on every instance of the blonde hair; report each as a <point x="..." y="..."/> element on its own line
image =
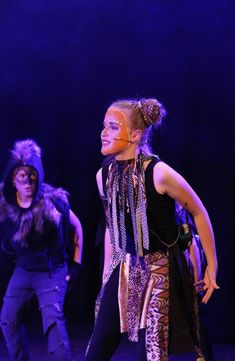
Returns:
<point x="143" y="114"/>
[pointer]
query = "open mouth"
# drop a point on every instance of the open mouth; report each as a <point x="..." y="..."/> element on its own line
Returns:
<point x="105" y="142"/>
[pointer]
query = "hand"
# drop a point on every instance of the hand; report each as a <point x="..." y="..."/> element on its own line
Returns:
<point x="72" y="276"/>
<point x="209" y="283"/>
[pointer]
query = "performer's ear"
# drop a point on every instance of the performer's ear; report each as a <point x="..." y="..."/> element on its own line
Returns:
<point x="136" y="135"/>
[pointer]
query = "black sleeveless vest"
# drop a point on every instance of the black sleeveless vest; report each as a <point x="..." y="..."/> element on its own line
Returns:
<point x="160" y="214"/>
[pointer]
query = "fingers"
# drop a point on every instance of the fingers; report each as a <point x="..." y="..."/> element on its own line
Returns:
<point x="198" y="283"/>
<point x="209" y="289"/>
<point x="214" y="284"/>
<point x="206" y="286"/>
<point x="208" y="294"/>
<point x="199" y="286"/>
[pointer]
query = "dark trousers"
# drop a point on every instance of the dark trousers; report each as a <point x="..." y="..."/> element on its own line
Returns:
<point x="106" y="334"/>
<point x="50" y="292"/>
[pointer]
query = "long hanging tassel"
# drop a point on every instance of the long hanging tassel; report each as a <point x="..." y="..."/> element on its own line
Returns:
<point x="131" y="200"/>
<point x="139" y="211"/>
<point x="126" y="184"/>
<point x="109" y="216"/>
<point x="122" y="203"/>
<point x="112" y="210"/>
<point x="143" y="202"/>
<point x="114" y="216"/>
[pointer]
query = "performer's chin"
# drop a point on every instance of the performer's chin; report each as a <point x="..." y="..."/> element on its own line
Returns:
<point x="104" y="151"/>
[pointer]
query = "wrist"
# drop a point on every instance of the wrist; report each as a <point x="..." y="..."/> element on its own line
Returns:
<point x="212" y="264"/>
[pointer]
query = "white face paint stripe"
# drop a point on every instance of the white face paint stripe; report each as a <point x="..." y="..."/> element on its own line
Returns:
<point x="110" y="122"/>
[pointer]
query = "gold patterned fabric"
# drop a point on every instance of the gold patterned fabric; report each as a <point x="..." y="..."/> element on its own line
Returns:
<point x="144" y="301"/>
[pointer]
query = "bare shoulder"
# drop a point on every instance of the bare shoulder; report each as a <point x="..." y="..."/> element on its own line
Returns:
<point x="100" y="181"/>
<point x="161" y="172"/>
<point x="73" y="218"/>
<point x="162" y="167"/>
<point x="167" y="180"/>
<point x="99" y="174"/>
<point x="165" y="176"/>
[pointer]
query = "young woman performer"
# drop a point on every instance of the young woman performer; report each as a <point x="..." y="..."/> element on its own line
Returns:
<point x="148" y="289"/>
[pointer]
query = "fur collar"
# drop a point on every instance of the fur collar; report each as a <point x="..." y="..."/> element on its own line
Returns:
<point x="34" y="217"/>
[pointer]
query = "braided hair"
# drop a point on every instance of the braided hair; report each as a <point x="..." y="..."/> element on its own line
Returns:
<point x="144" y="114"/>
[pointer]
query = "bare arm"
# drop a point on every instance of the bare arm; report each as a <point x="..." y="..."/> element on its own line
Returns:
<point x="166" y="180"/>
<point x="78" y="237"/>
<point x="195" y="257"/>
<point x="108" y="250"/>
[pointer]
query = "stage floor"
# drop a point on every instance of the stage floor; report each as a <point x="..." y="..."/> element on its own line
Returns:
<point x="125" y="352"/>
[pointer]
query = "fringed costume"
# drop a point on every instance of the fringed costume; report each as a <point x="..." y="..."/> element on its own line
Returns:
<point x="155" y="285"/>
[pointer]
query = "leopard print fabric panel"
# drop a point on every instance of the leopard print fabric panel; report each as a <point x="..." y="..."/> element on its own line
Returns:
<point x="157" y="318"/>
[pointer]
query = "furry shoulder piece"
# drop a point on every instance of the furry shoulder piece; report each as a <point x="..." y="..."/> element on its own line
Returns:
<point x="48" y="191"/>
<point x="33" y="218"/>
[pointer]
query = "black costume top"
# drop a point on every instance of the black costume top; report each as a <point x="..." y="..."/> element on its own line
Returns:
<point x="160" y="214"/>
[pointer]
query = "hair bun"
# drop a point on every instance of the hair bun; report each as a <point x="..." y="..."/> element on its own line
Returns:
<point x="152" y="110"/>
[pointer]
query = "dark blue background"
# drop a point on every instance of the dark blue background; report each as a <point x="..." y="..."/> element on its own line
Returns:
<point x="62" y="62"/>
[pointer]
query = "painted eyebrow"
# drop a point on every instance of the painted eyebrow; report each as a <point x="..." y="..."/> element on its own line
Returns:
<point x="111" y="122"/>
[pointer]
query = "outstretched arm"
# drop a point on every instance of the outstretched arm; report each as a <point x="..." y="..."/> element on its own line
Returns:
<point x="167" y="180"/>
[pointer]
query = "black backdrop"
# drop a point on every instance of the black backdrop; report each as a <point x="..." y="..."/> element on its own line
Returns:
<point x="62" y="62"/>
